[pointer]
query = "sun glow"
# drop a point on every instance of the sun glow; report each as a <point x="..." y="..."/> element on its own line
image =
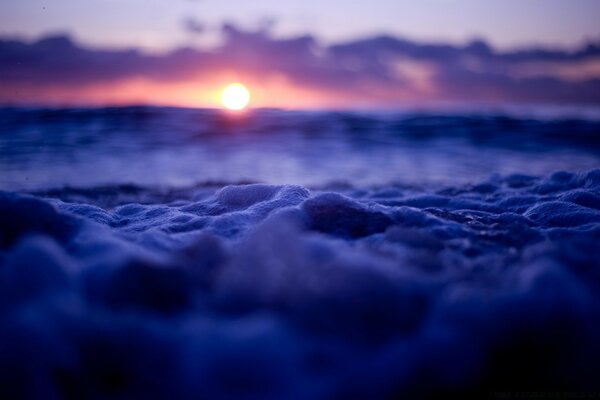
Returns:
<point x="235" y="96"/>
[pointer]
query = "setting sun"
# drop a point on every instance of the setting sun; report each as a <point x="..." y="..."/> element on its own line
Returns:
<point x="235" y="96"/>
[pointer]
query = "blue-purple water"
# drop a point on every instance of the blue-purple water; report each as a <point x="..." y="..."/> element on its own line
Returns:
<point x="171" y="253"/>
<point x="48" y="149"/>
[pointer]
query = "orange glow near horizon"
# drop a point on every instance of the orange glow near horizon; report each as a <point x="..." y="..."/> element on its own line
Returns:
<point x="274" y="91"/>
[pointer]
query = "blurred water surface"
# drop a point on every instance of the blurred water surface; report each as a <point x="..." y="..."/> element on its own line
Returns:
<point x="53" y="148"/>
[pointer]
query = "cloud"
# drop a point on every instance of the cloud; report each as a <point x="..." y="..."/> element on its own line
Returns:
<point x="192" y="25"/>
<point x="382" y="70"/>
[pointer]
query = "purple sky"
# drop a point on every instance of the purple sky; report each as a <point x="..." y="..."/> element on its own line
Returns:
<point x="160" y="23"/>
<point x="374" y="53"/>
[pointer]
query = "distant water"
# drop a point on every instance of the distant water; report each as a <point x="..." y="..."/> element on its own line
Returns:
<point x="53" y="148"/>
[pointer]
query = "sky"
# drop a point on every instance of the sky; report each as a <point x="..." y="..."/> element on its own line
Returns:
<point x="300" y="53"/>
<point x="157" y="24"/>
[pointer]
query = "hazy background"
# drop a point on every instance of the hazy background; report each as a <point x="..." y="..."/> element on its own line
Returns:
<point x="377" y="54"/>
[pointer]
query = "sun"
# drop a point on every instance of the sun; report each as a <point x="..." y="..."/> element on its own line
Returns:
<point x="235" y="96"/>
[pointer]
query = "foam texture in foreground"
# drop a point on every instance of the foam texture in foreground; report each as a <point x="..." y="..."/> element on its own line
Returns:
<point x="277" y="292"/>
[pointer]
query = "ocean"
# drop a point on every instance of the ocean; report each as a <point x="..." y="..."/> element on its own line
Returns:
<point x="178" y="253"/>
<point x="146" y="146"/>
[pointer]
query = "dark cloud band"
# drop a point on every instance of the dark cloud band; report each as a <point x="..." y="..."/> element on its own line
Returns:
<point x="382" y="69"/>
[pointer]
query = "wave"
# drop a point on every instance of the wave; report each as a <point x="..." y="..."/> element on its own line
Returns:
<point x="43" y="149"/>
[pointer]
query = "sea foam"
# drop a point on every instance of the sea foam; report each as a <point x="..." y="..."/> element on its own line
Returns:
<point x="277" y="291"/>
